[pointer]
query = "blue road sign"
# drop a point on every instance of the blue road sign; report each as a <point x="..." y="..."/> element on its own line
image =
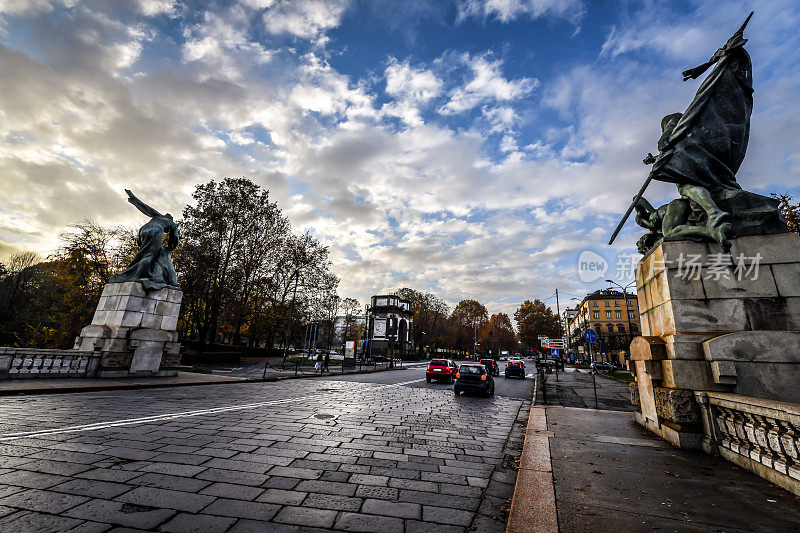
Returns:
<point x="590" y="335"/>
<point x="554" y="352"/>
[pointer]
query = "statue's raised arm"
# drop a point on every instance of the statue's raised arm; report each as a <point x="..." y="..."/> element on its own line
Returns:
<point x="152" y="265"/>
<point x="141" y="206"/>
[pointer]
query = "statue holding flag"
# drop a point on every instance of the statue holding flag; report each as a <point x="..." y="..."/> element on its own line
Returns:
<point x="700" y="150"/>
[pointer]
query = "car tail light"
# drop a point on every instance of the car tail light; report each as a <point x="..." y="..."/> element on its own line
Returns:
<point x="430" y="368"/>
<point x="458" y="375"/>
<point x="483" y="377"/>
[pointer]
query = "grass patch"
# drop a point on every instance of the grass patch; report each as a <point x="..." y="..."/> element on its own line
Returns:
<point x="624" y="377"/>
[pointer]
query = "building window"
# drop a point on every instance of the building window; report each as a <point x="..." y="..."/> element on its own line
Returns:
<point x="631" y="315"/>
<point x="619" y="314"/>
<point x="621" y="328"/>
<point x="596" y="315"/>
<point x="630" y="303"/>
<point x="608" y="303"/>
<point x="616" y="303"/>
<point x="594" y="303"/>
<point x="608" y="315"/>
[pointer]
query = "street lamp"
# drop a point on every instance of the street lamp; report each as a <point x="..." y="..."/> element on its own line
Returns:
<point x="627" y="311"/>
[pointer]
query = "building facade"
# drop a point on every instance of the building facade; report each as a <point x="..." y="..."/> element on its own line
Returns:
<point x="390" y="326"/>
<point x="614" y="316"/>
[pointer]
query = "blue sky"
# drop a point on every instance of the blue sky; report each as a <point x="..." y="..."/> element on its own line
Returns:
<point x="473" y="148"/>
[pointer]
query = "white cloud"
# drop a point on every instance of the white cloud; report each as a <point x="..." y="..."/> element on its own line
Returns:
<point x="156" y="7"/>
<point x="412" y="89"/>
<point x="508" y="10"/>
<point x="487" y="85"/>
<point x="307" y="19"/>
<point x="417" y="85"/>
<point x="482" y="209"/>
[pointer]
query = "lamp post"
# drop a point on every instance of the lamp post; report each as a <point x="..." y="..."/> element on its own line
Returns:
<point x="627" y="311"/>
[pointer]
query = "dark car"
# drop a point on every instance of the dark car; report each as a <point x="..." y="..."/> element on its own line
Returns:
<point x="602" y="366"/>
<point x="515" y="368"/>
<point x="492" y="366"/>
<point x="474" y="377"/>
<point x="441" y="370"/>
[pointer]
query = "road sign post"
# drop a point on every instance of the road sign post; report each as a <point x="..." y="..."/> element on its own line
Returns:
<point x="591" y="337"/>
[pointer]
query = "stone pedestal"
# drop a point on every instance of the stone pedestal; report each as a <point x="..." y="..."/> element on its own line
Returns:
<point x="716" y="322"/>
<point x="134" y="331"/>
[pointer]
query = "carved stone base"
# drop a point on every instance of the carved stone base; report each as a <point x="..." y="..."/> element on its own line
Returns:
<point x="716" y="322"/>
<point x="134" y="331"/>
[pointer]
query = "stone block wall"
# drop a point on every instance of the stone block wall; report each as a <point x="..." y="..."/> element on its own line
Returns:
<point x="134" y="331"/>
<point x="38" y="363"/>
<point x="692" y="296"/>
<point x="715" y="322"/>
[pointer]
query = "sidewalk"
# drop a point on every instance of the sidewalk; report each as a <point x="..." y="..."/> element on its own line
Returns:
<point x="57" y="385"/>
<point x="597" y="470"/>
<point x="576" y="389"/>
<point x="12" y="387"/>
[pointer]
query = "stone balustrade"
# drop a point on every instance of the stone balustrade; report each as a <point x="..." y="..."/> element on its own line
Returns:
<point x="35" y="363"/>
<point x="760" y="435"/>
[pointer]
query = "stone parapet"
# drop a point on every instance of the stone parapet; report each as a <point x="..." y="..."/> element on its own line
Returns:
<point x="38" y="363"/>
<point x="760" y="435"/>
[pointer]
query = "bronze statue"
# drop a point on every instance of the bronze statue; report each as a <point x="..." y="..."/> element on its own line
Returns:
<point x="152" y="265"/>
<point x="700" y="150"/>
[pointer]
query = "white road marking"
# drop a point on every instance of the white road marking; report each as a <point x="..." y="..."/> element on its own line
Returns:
<point x="184" y="414"/>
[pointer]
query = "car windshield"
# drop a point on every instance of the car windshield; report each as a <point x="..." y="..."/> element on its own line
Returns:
<point x="438" y="362"/>
<point x="486" y="362"/>
<point x="471" y="369"/>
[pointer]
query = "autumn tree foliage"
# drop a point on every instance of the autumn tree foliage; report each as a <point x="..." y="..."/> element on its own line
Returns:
<point x="790" y="211"/>
<point x="534" y="319"/>
<point x="243" y="271"/>
<point x="430" y="319"/>
<point x="498" y="334"/>
<point x="467" y="320"/>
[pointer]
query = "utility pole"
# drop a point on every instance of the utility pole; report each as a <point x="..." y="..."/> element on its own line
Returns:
<point x="288" y="324"/>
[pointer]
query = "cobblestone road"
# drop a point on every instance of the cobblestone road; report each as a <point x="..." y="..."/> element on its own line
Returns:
<point x="284" y="456"/>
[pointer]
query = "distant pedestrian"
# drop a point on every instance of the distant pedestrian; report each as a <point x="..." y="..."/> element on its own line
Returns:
<point x="327" y="362"/>
<point x="318" y="366"/>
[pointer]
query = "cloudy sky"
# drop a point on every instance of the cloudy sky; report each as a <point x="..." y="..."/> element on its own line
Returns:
<point x="472" y="148"/>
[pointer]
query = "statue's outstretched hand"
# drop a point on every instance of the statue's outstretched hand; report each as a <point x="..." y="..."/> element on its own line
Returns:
<point x="649" y="160"/>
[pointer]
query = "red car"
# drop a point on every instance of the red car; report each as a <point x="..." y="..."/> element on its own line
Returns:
<point x="440" y="370"/>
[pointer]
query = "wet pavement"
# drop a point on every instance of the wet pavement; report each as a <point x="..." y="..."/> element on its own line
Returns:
<point x="610" y="474"/>
<point x="373" y="452"/>
<point x="577" y="389"/>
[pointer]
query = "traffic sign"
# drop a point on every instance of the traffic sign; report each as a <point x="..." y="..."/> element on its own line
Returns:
<point x="555" y="352"/>
<point x="590" y="335"/>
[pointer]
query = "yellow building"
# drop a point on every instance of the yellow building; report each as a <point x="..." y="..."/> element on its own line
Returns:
<point x="615" y="318"/>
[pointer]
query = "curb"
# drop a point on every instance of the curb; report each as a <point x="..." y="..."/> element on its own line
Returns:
<point x="155" y="385"/>
<point x="533" y="506"/>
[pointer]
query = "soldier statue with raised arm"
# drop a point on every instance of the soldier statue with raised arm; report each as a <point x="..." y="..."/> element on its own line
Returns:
<point x="152" y="265"/>
<point x="700" y="151"/>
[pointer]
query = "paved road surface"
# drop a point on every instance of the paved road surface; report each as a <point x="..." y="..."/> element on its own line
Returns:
<point x="381" y="452"/>
<point x="509" y="388"/>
